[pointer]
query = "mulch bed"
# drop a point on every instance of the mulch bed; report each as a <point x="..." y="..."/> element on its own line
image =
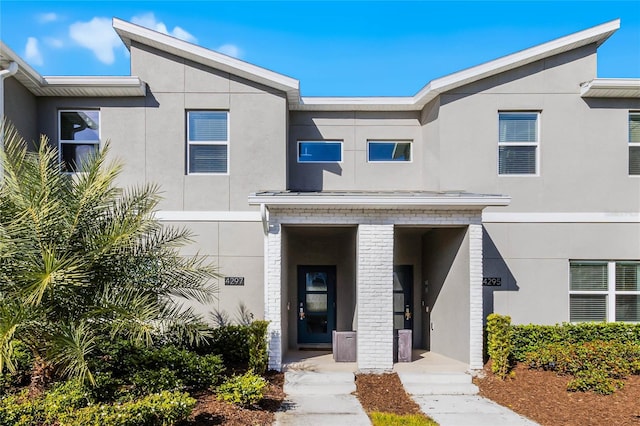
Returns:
<point x="210" y="411"/>
<point x="384" y="393"/>
<point x="543" y="397"/>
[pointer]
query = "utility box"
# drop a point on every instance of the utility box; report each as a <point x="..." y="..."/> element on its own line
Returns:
<point x="404" y="345"/>
<point x="344" y="346"/>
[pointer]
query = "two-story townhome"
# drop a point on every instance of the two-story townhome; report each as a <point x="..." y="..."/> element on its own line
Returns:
<point x="510" y="187"/>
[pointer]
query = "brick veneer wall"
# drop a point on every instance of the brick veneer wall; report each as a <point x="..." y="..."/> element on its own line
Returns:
<point x="374" y="274"/>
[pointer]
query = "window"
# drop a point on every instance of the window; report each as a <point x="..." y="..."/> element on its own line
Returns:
<point x="392" y="151"/>
<point x="207" y="142"/>
<point x="518" y="143"/>
<point x="78" y="138"/>
<point x="604" y="291"/>
<point x="634" y="144"/>
<point x="319" y="151"/>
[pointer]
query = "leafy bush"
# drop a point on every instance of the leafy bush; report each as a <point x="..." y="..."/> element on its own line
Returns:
<point x="231" y="342"/>
<point x="68" y="405"/>
<point x="22" y="360"/>
<point x="596" y="365"/>
<point x="243" y="390"/>
<point x="499" y="343"/>
<point x="258" y="356"/>
<point x="527" y="338"/>
<point x="152" y="381"/>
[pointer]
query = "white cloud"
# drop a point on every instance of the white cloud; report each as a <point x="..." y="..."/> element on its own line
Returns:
<point x="43" y="18"/>
<point x="230" y="49"/>
<point x="149" y="20"/>
<point x="54" y="42"/>
<point x="98" y="36"/>
<point x="32" y="52"/>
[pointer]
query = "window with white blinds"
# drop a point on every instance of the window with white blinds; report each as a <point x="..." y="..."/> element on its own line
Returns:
<point x="604" y="291"/>
<point x="634" y="143"/>
<point x="207" y="142"/>
<point x="518" y="143"/>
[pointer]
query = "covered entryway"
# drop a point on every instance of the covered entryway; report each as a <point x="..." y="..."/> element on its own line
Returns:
<point x="391" y="249"/>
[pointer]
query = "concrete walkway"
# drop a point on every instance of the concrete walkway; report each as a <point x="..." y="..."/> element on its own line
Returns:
<point x="451" y="400"/>
<point x="320" y="398"/>
<point x="319" y="393"/>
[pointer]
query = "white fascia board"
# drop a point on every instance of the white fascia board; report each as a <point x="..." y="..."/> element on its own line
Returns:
<point x="207" y="216"/>
<point x="398" y="103"/>
<point x="128" y="31"/>
<point x="94" y="85"/>
<point x="26" y="74"/>
<point x="385" y="201"/>
<point x="611" y="87"/>
<point x="561" y="217"/>
<point x="597" y="34"/>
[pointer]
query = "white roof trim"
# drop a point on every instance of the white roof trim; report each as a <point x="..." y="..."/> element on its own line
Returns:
<point x="611" y="88"/>
<point x="598" y="35"/>
<point x="71" y="86"/>
<point x="398" y="200"/>
<point x="129" y="32"/>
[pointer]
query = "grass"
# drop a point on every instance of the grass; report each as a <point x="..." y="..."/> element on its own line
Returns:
<point x="388" y="419"/>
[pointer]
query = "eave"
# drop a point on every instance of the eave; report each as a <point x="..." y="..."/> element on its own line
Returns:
<point x="611" y="88"/>
<point x="392" y="199"/>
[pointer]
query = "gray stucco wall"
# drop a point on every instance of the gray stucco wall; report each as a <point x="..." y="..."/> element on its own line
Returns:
<point x="445" y="254"/>
<point x="20" y="108"/>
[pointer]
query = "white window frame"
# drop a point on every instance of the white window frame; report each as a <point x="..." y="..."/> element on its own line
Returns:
<point x="301" y="141"/>
<point x="632" y="144"/>
<point x="387" y="141"/>
<point x="61" y="141"/>
<point x="225" y="143"/>
<point x="535" y="144"/>
<point x="610" y="293"/>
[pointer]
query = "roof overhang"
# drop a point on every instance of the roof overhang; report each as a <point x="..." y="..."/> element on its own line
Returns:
<point x="70" y="86"/>
<point x="129" y="33"/>
<point x="611" y="88"/>
<point x="595" y="35"/>
<point x="379" y="199"/>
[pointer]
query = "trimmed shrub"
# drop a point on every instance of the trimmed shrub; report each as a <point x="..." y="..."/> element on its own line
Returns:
<point x="499" y="344"/>
<point x="258" y="356"/>
<point x="596" y="366"/>
<point x="231" y="342"/>
<point x="66" y="406"/>
<point x="244" y="390"/>
<point x="527" y="338"/>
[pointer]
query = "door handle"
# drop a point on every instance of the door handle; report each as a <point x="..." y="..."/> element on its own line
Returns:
<point x="407" y="313"/>
<point x="301" y="312"/>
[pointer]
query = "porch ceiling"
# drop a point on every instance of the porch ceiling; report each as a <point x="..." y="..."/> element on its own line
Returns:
<point x="380" y="199"/>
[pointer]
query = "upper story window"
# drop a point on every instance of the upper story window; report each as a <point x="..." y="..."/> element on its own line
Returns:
<point x="319" y="151"/>
<point x="388" y="151"/>
<point x="604" y="291"/>
<point x="207" y="142"/>
<point x="518" y="143"/>
<point x="78" y="137"/>
<point x="634" y="143"/>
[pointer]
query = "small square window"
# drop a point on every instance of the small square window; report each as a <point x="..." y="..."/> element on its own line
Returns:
<point x="518" y="143"/>
<point x="319" y="151"/>
<point x="207" y="142"/>
<point x="78" y="138"/>
<point x="388" y="151"/>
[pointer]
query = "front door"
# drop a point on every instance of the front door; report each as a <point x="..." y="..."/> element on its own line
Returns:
<point x="316" y="308"/>
<point x="402" y="297"/>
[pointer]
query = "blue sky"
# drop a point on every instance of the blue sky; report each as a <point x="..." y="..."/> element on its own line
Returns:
<point x="335" y="48"/>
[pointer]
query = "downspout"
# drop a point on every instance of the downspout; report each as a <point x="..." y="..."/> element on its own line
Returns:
<point x="13" y="68"/>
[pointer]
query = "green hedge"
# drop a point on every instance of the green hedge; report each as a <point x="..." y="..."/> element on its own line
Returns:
<point x="499" y="344"/>
<point x="528" y="338"/>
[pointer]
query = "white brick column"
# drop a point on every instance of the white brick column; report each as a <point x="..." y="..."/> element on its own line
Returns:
<point x="374" y="289"/>
<point x="475" y="300"/>
<point x="273" y="294"/>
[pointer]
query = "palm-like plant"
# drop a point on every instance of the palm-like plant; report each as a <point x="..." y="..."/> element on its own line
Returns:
<point x="81" y="258"/>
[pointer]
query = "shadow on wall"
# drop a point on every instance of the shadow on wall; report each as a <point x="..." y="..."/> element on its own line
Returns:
<point x="309" y="177"/>
<point x="494" y="266"/>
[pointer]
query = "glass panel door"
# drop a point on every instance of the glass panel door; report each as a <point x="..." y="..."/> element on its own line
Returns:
<point x="316" y="308"/>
